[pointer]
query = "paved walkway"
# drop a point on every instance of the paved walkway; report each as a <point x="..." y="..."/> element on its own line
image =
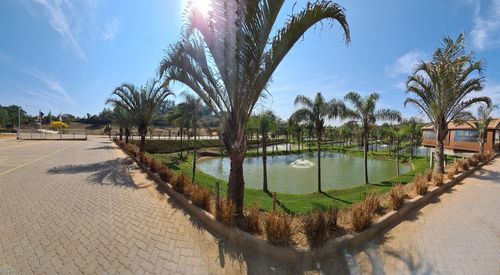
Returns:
<point x="458" y="234"/>
<point x="70" y="207"/>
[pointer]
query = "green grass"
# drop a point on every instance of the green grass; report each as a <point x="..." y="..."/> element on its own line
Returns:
<point x="293" y="203"/>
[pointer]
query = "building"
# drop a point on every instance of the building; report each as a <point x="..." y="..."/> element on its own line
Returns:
<point x="462" y="139"/>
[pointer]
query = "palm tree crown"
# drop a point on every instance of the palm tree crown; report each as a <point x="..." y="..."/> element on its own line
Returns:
<point x="228" y="58"/>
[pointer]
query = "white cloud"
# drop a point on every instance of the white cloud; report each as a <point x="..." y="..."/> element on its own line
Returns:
<point x="486" y="31"/>
<point x="52" y="85"/>
<point x="110" y="29"/>
<point x="405" y="64"/>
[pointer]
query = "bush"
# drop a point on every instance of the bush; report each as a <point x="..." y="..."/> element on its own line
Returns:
<point x="165" y="174"/>
<point x="471" y="162"/>
<point x="226" y="212"/>
<point x="463" y="165"/>
<point x="437" y="179"/>
<point x="450" y="173"/>
<point x="200" y="196"/>
<point x="252" y="219"/>
<point x="278" y="228"/>
<point x="428" y="176"/>
<point x="315" y="228"/>
<point x="144" y="160"/>
<point x="180" y="183"/>
<point x="331" y="218"/>
<point x="361" y="217"/>
<point x="154" y="166"/>
<point x="372" y="202"/>
<point x="397" y="197"/>
<point x="421" y="184"/>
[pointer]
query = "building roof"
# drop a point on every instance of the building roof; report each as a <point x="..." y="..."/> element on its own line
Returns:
<point x="494" y="124"/>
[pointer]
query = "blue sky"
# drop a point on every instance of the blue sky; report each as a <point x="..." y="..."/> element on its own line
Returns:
<point x="64" y="55"/>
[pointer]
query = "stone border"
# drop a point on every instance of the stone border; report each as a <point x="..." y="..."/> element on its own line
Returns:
<point x="303" y="258"/>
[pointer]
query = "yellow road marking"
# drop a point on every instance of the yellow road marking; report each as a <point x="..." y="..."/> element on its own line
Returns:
<point x="38" y="159"/>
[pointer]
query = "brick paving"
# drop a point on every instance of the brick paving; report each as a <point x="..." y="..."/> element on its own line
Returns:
<point x="71" y="207"/>
<point x="457" y="234"/>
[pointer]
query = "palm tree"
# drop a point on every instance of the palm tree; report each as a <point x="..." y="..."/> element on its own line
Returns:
<point x="366" y="114"/>
<point x="442" y="88"/>
<point x="480" y="121"/>
<point x="412" y="128"/>
<point x="228" y="58"/>
<point x="141" y="103"/>
<point x="178" y="119"/>
<point x="267" y="122"/>
<point x="123" y="119"/>
<point x="316" y="111"/>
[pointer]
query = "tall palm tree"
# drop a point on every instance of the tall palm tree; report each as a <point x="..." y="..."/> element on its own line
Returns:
<point x="123" y="119"/>
<point x="365" y="113"/>
<point x="267" y="122"/>
<point x="228" y="58"/>
<point x="480" y="121"/>
<point x="141" y="103"/>
<point x="442" y="88"/>
<point x="316" y="111"/>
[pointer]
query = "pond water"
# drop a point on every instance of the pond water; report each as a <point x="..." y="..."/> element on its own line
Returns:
<point x="421" y="151"/>
<point x="297" y="174"/>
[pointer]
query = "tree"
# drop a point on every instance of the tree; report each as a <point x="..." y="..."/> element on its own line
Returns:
<point x="242" y="57"/>
<point x="365" y="113"/>
<point x="316" y="111"/>
<point x="177" y="118"/>
<point x="123" y="119"/>
<point x="141" y="103"/>
<point x="442" y="88"/>
<point x="412" y="128"/>
<point x="480" y="121"/>
<point x="267" y="122"/>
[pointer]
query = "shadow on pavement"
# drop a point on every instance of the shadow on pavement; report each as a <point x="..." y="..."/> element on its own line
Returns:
<point x="109" y="172"/>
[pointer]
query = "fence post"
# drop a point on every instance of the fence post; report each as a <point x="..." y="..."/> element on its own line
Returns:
<point x="274" y="201"/>
<point x="217" y="199"/>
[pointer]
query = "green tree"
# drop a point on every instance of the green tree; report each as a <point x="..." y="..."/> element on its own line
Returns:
<point x="242" y="57"/>
<point x="315" y="112"/>
<point x="365" y="113"/>
<point x="480" y="121"/>
<point x="267" y="123"/>
<point x="442" y="88"/>
<point x="124" y="121"/>
<point x="412" y="128"/>
<point x="141" y="103"/>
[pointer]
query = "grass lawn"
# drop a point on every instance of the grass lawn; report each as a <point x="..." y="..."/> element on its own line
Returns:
<point x="293" y="203"/>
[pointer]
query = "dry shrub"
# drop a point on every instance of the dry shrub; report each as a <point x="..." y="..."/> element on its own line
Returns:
<point x="315" y="228"/>
<point x="471" y="162"/>
<point x="437" y="179"/>
<point x="361" y="217"/>
<point x="226" y="212"/>
<point x="154" y="166"/>
<point x="397" y="197"/>
<point x="463" y="165"/>
<point x="165" y="174"/>
<point x="372" y="202"/>
<point x="200" y="196"/>
<point x="278" y="227"/>
<point x="450" y="173"/>
<point x="144" y="160"/>
<point x="482" y="157"/>
<point x="252" y="219"/>
<point x="180" y="183"/>
<point x="489" y="156"/>
<point x="428" y="176"/>
<point x="331" y="218"/>
<point x="421" y="184"/>
<point x="456" y="169"/>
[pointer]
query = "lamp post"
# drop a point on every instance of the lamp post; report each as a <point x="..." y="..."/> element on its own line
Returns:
<point x="18" y="122"/>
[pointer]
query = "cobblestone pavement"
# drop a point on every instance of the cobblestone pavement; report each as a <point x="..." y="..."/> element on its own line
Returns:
<point x="71" y="207"/>
<point x="457" y="234"/>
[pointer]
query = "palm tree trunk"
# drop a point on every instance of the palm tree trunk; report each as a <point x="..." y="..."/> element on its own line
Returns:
<point x="143" y="143"/>
<point x="264" y="163"/>
<point x="182" y="147"/>
<point x="121" y="133"/>
<point x="365" y="145"/>
<point x="481" y="147"/>
<point x="127" y="134"/>
<point x="194" y="152"/>
<point x="397" y="155"/>
<point x="440" y="136"/>
<point x="319" y="163"/>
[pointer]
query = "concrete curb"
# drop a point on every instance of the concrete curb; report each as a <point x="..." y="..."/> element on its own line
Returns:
<point x="306" y="259"/>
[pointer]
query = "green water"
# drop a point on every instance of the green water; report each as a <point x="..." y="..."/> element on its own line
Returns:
<point x="338" y="171"/>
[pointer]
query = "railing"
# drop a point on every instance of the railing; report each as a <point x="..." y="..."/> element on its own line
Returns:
<point x="42" y="134"/>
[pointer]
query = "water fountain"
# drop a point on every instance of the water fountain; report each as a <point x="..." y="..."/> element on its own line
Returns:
<point x="302" y="163"/>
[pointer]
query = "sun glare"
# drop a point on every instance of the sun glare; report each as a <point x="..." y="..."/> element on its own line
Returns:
<point x="203" y="6"/>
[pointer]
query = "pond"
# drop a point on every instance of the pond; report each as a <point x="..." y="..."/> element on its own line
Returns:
<point x="297" y="174"/>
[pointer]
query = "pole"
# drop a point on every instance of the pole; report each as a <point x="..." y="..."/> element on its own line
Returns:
<point x="18" y="122"/>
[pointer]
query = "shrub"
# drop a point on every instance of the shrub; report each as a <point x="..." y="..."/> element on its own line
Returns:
<point x="361" y="217"/>
<point x="278" y="228"/>
<point x="331" y="218"/>
<point x="471" y="162"/>
<point x="315" y="228"/>
<point x="180" y="183"/>
<point x="165" y="174"/>
<point x="252" y="219"/>
<point x="450" y="173"/>
<point x="226" y="212"/>
<point x="372" y="202"/>
<point x="463" y="165"/>
<point x="437" y="179"/>
<point x="421" y="185"/>
<point x="200" y="196"/>
<point x="144" y="160"/>
<point x="154" y="166"/>
<point x="428" y="176"/>
<point x="456" y="169"/>
<point x="397" y="197"/>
